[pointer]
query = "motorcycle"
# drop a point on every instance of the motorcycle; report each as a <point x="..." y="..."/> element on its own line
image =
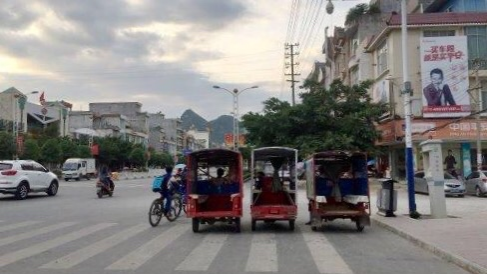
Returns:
<point x="105" y="188"/>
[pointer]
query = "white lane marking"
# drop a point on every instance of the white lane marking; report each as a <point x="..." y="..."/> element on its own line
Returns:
<point x="325" y="255"/>
<point x="85" y="253"/>
<point x="203" y="255"/>
<point x="145" y="252"/>
<point x="17" y="225"/>
<point x="263" y="253"/>
<point x="30" y="234"/>
<point x="44" y="246"/>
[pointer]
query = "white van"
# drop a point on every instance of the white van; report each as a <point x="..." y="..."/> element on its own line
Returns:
<point x="77" y="168"/>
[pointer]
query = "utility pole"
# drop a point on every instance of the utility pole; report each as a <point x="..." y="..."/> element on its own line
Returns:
<point x="291" y="55"/>
<point x="477" y="64"/>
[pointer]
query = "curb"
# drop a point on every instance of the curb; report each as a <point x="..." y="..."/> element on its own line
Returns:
<point x="457" y="260"/>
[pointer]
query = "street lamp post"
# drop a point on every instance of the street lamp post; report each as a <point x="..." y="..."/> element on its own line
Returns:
<point x="407" y="113"/>
<point x="235" y="93"/>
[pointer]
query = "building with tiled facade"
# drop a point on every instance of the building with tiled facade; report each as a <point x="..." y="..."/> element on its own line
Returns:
<point x="354" y="54"/>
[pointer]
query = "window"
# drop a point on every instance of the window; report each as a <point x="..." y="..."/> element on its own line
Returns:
<point x="5" y="166"/>
<point x="38" y="167"/>
<point x="354" y="76"/>
<point x="382" y="58"/>
<point x="438" y="33"/>
<point x="419" y="175"/>
<point x="27" y="167"/>
<point x="484" y="94"/>
<point x="476" y="41"/>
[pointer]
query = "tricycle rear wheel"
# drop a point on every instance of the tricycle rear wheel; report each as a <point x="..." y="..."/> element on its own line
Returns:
<point x="196" y="225"/>
<point x="359" y="225"/>
<point x="291" y="225"/>
<point x="254" y="224"/>
<point x="237" y="225"/>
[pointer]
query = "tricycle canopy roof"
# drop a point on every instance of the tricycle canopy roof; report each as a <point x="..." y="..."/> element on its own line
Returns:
<point x="267" y="153"/>
<point x="214" y="156"/>
<point x="337" y="155"/>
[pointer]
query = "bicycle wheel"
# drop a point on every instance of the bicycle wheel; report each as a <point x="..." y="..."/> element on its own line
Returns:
<point x="177" y="204"/>
<point x="155" y="212"/>
<point x="171" y="216"/>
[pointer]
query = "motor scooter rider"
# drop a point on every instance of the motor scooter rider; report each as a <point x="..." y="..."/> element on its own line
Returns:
<point x="105" y="178"/>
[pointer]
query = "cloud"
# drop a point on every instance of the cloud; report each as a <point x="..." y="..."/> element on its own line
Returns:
<point x="165" y="55"/>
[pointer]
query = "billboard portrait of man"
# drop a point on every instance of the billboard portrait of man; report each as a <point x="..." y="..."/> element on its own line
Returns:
<point x="444" y="76"/>
<point x="437" y="93"/>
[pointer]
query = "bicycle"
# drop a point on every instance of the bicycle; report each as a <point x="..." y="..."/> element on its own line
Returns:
<point x="181" y="196"/>
<point x="157" y="210"/>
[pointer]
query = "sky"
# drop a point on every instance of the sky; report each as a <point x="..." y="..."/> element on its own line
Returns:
<point x="165" y="54"/>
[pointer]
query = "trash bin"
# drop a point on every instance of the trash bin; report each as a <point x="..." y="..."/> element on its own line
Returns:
<point x="387" y="198"/>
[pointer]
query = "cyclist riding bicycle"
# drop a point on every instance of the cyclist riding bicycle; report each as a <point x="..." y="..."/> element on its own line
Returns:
<point x="166" y="190"/>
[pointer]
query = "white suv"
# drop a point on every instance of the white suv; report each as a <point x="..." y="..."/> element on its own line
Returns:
<point x="23" y="176"/>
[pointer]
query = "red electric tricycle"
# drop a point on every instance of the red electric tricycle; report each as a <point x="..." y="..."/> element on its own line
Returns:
<point x="214" y="187"/>
<point x="273" y="191"/>
<point x="337" y="187"/>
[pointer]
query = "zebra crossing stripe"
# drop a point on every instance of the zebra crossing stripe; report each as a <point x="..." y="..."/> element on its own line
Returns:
<point x="263" y="253"/>
<point x="138" y="257"/>
<point x="325" y="255"/>
<point x="18" y="225"/>
<point x="30" y="234"/>
<point x="50" y="244"/>
<point x="203" y="255"/>
<point x="83" y="254"/>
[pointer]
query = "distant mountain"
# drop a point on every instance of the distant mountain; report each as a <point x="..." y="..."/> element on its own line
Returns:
<point x="219" y="127"/>
<point x="191" y="118"/>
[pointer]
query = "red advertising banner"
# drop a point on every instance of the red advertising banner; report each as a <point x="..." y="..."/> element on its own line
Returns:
<point x="95" y="150"/>
<point x="228" y="139"/>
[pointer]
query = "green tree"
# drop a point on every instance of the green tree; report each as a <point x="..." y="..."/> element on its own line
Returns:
<point x="168" y="160"/>
<point x="51" y="152"/>
<point x="354" y="14"/>
<point x="341" y="117"/>
<point x="69" y="148"/>
<point x="156" y="159"/>
<point x="7" y="145"/>
<point x="32" y="151"/>
<point x="108" y="151"/>
<point x="124" y="150"/>
<point x="138" y="156"/>
<point x="83" y="151"/>
<point x="51" y="131"/>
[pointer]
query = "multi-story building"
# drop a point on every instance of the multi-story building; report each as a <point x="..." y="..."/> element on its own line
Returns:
<point x="452" y="35"/>
<point x="156" y="132"/>
<point x="173" y="143"/>
<point x="202" y="138"/>
<point x="121" y="119"/>
<point x="19" y="115"/>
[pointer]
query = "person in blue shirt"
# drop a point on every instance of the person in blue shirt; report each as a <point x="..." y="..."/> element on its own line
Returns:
<point x="166" y="192"/>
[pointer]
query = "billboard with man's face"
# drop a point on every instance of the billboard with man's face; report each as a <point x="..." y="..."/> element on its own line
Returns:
<point x="444" y="76"/>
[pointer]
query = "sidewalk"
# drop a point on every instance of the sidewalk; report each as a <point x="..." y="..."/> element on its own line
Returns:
<point x="129" y="175"/>
<point x="460" y="239"/>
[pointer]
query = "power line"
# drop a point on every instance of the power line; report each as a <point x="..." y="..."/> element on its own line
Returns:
<point x="306" y="12"/>
<point x="292" y="15"/>
<point x="312" y="28"/>
<point x="295" y="23"/>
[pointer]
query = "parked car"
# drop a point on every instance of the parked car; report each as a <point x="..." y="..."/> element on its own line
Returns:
<point x="19" y="177"/>
<point x="476" y="183"/>
<point x="453" y="186"/>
